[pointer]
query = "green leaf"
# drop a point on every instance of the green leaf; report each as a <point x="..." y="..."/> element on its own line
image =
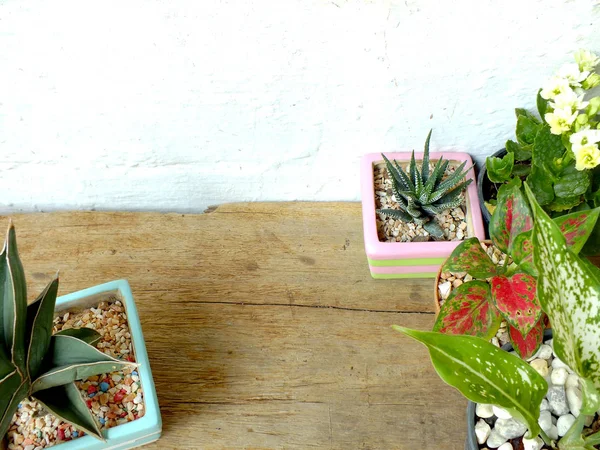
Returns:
<point x="591" y="398"/>
<point x="560" y="204"/>
<point x="468" y="310"/>
<point x="522" y="253"/>
<point x="526" y="130"/>
<point x="521" y="170"/>
<point x="434" y="229"/>
<point x="542" y="105"/>
<point x="470" y="257"/>
<point x="87" y="335"/>
<point x="412" y="170"/>
<point x="569" y="294"/>
<point x="397" y="175"/>
<point x="41" y="315"/>
<point x="14" y="312"/>
<point x="511" y="217"/>
<point x="9" y="384"/>
<point x="71" y="359"/>
<point x="499" y="170"/>
<point x="515" y="298"/>
<point x="572" y="184"/>
<point x="18" y="395"/>
<point x="425" y="167"/>
<point x="66" y="403"/>
<point x="521" y="152"/>
<point x="396" y="214"/>
<point x="540" y="182"/>
<point x="486" y="374"/>
<point x="547" y="149"/>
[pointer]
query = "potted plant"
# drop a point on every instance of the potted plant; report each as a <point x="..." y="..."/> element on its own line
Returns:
<point x="568" y="290"/>
<point x="40" y="369"/>
<point x="417" y="204"/>
<point x="506" y="292"/>
<point x="556" y="153"/>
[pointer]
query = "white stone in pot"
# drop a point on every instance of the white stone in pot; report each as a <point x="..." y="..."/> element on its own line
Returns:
<point x="484" y="410"/>
<point x="544" y="406"/>
<point x="572" y="381"/>
<point x="445" y="289"/>
<point x="559" y="376"/>
<point x="510" y="428"/>
<point x="540" y="366"/>
<point x="575" y="400"/>
<point x="482" y="431"/>
<point x="506" y="446"/>
<point x="501" y="413"/>
<point x="533" y="444"/>
<point x="564" y="423"/>
<point x="556" y="363"/>
<point x="495" y="439"/>
<point x="545" y="420"/>
<point x="553" y="432"/>
<point x="557" y="399"/>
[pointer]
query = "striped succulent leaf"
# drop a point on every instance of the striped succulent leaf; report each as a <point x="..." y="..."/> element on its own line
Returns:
<point x="35" y="364"/>
<point x="422" y="193"/>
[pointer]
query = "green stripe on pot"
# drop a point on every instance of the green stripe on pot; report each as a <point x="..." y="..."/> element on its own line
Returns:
<point x="389" y="276"/>
<point x="406" y="262"/>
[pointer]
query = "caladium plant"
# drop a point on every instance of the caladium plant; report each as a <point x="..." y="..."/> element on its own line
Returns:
<point x="568" y="291"/>
<point x="506" y="292"/>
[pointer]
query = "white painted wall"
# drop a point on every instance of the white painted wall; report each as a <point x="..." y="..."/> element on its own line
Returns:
<point x="177" y="105"/>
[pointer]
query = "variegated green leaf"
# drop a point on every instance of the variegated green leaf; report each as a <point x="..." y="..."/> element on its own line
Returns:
<point x="470" y="257"/>
<point x="570" y="295"/>
<point x="486" y="374"/>
<point x="66" y="403"/>
<point x="527" y="345"/>
<point x="40" y="316"/>
<point x="577" y="227"/>
<point x="511" y="217"/>
<point x="469" y="310"/>
<point x="14" y="311"/>
<point x="87" y="335"/>
<point x="591" y="397"/>
<point x="522" y="253"/>
<point x="515" y="298"/>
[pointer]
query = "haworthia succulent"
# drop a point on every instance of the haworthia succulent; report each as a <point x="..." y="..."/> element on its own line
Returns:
<point x="486" y="374"/>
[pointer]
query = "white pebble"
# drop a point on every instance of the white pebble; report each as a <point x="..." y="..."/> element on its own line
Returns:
<point x="445" y="289"/>
<point x="540" y="366"/>
<point x="559" y="376"/>
<point x="575" y="400"/>
<point x="556" y="363"/>
<point x="510" y="428"/>
<point x="553" y="432"/>
<point x="506" y="446"/>
<point x="564" y="423"/>
<point x="501" y="413"/>
<point x="545" y="420"/>
<point x="495" y="439"/>
<point x="545" y="406"/>
<point x="532" y="444"/>
<point x="557" y="399"/>
<point x="482" y="431"/>
<point x="572" y="381"/>
<point x="484" y="410"/>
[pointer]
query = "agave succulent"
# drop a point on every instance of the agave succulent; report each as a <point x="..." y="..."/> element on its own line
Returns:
<point x="422" y="195"/>
<point x="33" y="362"/>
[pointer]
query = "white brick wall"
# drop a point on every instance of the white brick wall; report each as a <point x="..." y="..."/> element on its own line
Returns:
<point x="177" y="105"/>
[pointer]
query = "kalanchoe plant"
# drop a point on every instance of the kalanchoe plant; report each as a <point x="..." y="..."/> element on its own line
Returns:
<point x="558" y="152"/>
<point x="506" y="292"/>
<point x="33" y="362"/>
<point x="422" y="195"/>
<point x="568" y="290"/>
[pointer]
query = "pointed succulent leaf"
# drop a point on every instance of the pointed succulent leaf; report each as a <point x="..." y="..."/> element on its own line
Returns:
<point x="412" y="170"/>
<point x="398" y="196"/>
<point x="522" y="253"/>
<point x="9" y="384"/>
<point x="527" y="345"/>
<point x="432" y="209"/>
<point x="66" y="403"/>
<point x="65" y="350"/>
<point x="449" y="183"/>
<point x="14" y="301"/>
<point x="455" y="193"/>
<point x="448" y="205"/>
<point x="405" y="177"/>
<point x="569" y="293"/>
<point x="425" y="167"/>
<point x="469" y="310"/>
<point x="418" y="183"/>
<point x="397" y="175"/>
<point x="41" y="314"/>
<point x="413" y="209"/>
<point x="396" y="214"/>
<point x="515" y="298"/>
<point x="17" y="396"/>
<point x="511" y="217"/>
<point x="431" y="181"/>
<point x="434" y="229"/>
<point x="486" y="374"/>
<point x="577" y="227"/>
<point x="86" y="335"/>
<point x="470" y="257"/>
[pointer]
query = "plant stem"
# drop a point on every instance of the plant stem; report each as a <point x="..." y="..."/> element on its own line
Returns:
<point x="546" y="439"/>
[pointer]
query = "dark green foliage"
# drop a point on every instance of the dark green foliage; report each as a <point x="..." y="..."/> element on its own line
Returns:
<point x="422" y="195"/>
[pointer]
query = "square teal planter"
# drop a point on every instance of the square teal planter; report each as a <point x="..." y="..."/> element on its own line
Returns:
<point x="141" y="431"/>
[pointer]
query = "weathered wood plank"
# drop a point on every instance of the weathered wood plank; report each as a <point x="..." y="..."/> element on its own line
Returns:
<point x="263" y="325"/>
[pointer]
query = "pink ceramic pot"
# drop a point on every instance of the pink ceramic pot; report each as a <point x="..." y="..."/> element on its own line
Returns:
<point x="412" y="259"/>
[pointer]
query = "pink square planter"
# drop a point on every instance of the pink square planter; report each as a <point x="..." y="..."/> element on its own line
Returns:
<point x="411" y="259"/>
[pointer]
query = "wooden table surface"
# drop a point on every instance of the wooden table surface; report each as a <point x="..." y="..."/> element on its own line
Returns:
<point x="263" y="326"/>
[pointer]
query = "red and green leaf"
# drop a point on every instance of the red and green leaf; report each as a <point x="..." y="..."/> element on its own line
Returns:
<point x="469" y="310"/>
<point x="577" y="227"/>
<point x="515" y="298"/>
<point x="511" y="217"/>
<point x="470" y="257"/>
<point x="522" y="253"/>
<point x="527" y="345"/>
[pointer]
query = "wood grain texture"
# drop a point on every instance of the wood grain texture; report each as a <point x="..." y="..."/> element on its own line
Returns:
<point x="263" y="326"/>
